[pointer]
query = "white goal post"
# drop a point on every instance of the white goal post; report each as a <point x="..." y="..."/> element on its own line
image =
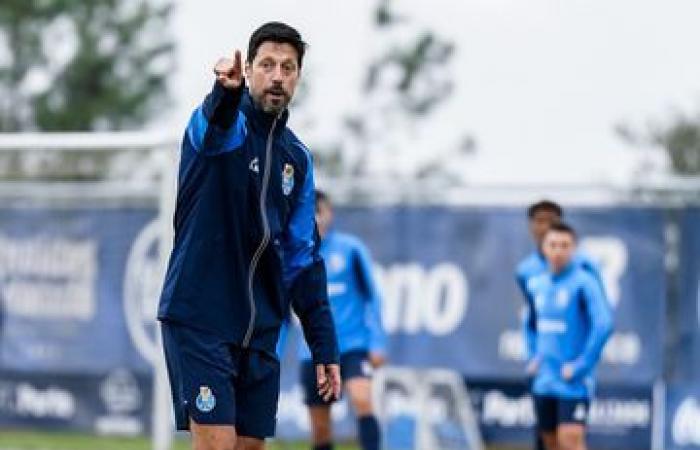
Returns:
<point x="435" y="401"/>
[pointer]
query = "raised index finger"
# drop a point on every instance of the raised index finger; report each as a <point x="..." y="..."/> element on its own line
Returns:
<point x="237" y="61"/>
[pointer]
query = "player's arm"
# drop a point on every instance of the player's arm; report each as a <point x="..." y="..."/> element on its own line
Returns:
<point x="529" y="320"/>
<point x="373" y="307"/>
<point x="305" y="277"/>
<point x="216" y="126"/>
<point x="601" y="320"/>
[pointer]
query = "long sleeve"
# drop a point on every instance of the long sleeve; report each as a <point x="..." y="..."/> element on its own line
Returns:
<point x="601" y="326"/>
<point x="305" y="276"/>
<point x="373" y="305"/>
<point x="529" y="331"/>
<point x="217" y="126"/>
<point x="529" y="319"/>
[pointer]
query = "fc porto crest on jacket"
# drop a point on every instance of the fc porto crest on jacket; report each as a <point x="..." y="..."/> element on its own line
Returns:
<point x="287" y="179"/>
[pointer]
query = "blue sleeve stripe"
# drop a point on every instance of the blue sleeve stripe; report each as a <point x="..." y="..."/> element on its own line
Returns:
<point x="301" y="243"/>
<point x="210" y="140"/>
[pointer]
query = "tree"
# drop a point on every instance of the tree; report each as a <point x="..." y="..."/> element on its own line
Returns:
<point x="406" y="81"/>
<point x="83" y="65"/>
<point x="679" y="138"/>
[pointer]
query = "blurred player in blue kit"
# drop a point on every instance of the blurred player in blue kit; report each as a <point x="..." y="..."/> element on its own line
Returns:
<point x="573" y="321"/>
<point x="541" y="216"/>
<point x="356" y="308"/>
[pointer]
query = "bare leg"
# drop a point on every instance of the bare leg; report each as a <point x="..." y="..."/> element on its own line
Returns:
<point x="571" y="436"/>
<point x="360" y="392"/>
<point x="321" y="425"/>
<point x="212" y="437"/>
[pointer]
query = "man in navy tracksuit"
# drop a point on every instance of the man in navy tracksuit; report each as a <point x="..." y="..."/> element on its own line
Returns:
<point x="541" y="216"/>
<point x="574" y="321"/>
<point x="356" y="307"/>
<point x="245" y="247"/>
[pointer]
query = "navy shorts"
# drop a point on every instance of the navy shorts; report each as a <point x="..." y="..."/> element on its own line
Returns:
<point x="216" y="383"/>
<point x="353" y="364"/>
<point x="552" y="412"/>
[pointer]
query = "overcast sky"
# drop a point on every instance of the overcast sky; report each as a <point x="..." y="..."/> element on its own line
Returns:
<point x="539" y="83"/>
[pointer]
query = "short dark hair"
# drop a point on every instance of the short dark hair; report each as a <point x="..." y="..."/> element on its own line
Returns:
<point x="562" y="227"/>
<point x="544" y="205"/>
<point x="276" y="32"/>
<point x="322" y="197"/>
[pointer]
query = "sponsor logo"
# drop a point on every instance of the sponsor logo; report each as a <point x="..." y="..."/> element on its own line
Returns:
<point x="612" y="413"/>
<point x="501" y="410"/>
<point x="335" y="289"/>
<point x="49" y="277"/>
<point x="120" y="392"/>
<point x="686" y="429"/>
<point x="122" y="398"/>
<point x="50" y="403"/>
<point x="206" y="401"/>
<point x="605" y="414"/>
<point x="551" y="326"/>
<point x="419" y="299"/>
<point x="287" y="179"/>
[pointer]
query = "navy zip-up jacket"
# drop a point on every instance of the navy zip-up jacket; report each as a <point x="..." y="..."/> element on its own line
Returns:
<point x="246" y="244"/>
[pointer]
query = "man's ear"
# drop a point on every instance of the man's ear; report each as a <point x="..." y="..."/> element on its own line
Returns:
<point x="247" y="69"/>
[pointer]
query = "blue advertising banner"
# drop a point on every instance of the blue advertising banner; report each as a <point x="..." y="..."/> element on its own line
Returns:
<point x="115" y="402"/>
<point x="63" y="276"/>
<point x="81" y="285"/>
<point x="687" y="356"/>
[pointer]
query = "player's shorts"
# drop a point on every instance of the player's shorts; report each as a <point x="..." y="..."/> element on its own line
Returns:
<point x="552" y="412"/>
<point x="216" y="383"/>
<point x="353" y="364"/>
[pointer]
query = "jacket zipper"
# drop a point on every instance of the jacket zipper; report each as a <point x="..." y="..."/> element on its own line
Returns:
<point x="266" y="235"/>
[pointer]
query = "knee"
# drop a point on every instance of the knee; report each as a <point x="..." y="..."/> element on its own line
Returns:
<point x="570" y="440"/>
<point x="362" y="405"/>
<point x="207" y="437"/>
<point x="216" y="444"/>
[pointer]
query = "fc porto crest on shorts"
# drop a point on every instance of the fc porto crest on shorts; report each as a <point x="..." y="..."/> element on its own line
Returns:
<point x="287" y="179"/>
<point x="205" y="400"/>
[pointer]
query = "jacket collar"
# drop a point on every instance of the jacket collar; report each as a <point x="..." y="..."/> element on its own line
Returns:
<point x="258" y="118"/>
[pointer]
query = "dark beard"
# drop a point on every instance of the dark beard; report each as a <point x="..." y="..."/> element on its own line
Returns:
<point x="272" y="107"/>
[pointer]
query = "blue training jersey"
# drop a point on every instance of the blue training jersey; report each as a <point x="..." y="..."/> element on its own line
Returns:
<point x="354" y="299"/>
<point x="574" y="321"/>
<point x="533" y="266"/>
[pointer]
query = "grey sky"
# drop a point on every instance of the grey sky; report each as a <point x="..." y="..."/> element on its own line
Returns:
<point x="540" y="83"/>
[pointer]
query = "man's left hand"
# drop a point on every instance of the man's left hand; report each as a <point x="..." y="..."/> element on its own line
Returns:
<point x="328" y="381"/>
